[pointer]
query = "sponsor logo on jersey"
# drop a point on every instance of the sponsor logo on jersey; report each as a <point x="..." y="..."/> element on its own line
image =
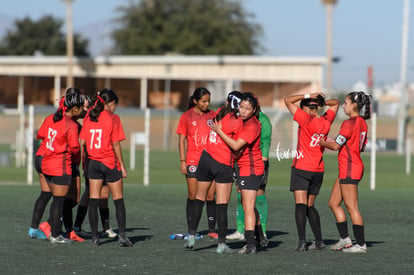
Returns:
<point x="210" y="123"/>
<point x="194" y="123"/>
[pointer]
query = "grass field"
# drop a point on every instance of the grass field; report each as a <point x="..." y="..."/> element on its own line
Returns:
<point x="156" y="211"/>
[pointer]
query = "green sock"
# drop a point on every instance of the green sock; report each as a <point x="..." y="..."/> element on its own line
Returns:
<point x="240" y="214"/>
<point x="261" y="205"/>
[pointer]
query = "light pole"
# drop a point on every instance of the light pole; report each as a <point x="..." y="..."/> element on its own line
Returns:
<point x="329" y="10"/>
<point x="402" y="115"/>
<point x="69" y="42"/>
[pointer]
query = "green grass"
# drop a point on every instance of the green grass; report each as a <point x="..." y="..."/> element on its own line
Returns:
<point x="156" y="211"/>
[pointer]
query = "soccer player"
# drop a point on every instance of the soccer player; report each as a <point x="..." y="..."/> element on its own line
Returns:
<point x="350" y="142"/>
<point x="261" y="202"/>
<point x="216" y="164"/>
<point x="72" y="198"/>
<point x="193" y="131"/>
<point x="84" y="202"/>
<point x="308" y="167"/>
<point x="59" y="135"/>
<point x="102" y="133"/>
<point x="246" y="144"/>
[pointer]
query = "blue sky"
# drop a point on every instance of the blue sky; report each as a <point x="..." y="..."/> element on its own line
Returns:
<point x="366" y="32"/>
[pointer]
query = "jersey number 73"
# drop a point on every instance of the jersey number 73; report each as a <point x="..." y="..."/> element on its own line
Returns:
<point x="96" y="138"/>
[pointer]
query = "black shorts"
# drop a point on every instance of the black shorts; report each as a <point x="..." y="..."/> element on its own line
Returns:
<point x="75" y="170"/>
<point x="306" y="180"/>
<point x="209" y="169"/>
<point x="98" y="171"/>
<point x="59" y="180"/>
<point x="349" y="181"/>
<point x="265" y="176"/>
<point x="38" y="164"/>
<point x="191" y="171"/>
<point x="251" y="182"/>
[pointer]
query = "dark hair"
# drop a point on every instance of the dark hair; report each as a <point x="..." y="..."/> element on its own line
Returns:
<point x="103" y="97"/>
<point x="250" y="97"/>
<point x="362" y="101"/>
<point x="313" y="103"/>
<point x="233" y="103"/>
<point x="197" y="95"/>
<point x="73" y="98"/>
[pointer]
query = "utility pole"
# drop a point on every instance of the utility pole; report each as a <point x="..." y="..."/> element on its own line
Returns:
<point x="69" y="42"/>
<point x="329" y="11"/>
<point x="402" y="116"/>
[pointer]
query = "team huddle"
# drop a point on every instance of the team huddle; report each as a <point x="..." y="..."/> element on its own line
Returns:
<point x="216" y="149"/>
<point x="57" y="163"/>
<point x="235" y="145"/>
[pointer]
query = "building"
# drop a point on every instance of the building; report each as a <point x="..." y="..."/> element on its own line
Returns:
<point x="143" y="81"/>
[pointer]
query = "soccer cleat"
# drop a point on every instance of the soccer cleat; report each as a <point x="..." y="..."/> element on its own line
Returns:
<point x="317" y="245"/>
<point x="247" y="250"/>
<point x="341" y="244"/>
<point x="109" y="233"/>
<point x="356" y="248"/>
<point x="83" y="234"/>
<point x="264" y="242"/>
<point x="45" y="227"/>
<point x="236" y="235"/>
<point x="190" y="242"/>
<point x="301" y="246"/>
<point x="223" y="248"/>
<point x="36" y="234"/>
<point x="73" y="236"/>
<point x="60" y="239"/>
<point x="124" y="241"/>
<point x="213" y="235"/>
<point x="96" y="242"/>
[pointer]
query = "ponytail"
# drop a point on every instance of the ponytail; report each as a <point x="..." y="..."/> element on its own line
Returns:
<point x="363" y="102"/>
<point x="60" y="111"/>
<point x="102" y="98"/>
<point x="73" y="97"/>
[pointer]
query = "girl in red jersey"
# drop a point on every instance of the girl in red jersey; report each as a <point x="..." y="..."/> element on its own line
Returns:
<point x="54" y="159"/>
<point x="193" y="130"/>
<point x="102" y="133"/>
<point x="308" y="167"/>
<point x="250" y="163"/>
<point x="73" y="196"/>
<point x="216" y="164"/>
<point x="350" y="142"/>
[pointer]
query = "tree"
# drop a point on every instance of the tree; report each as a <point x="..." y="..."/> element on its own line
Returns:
<point x="193" y="27"/>
<point x="29" y="37"/>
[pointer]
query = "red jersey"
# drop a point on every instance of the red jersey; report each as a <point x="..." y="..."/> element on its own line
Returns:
<point x="251" y="162"/>
<point x="309" y="155"/>
<point x="60" y="140"/>
<point x="99" y="137"/>
<point x="352" y="137"/>
<point x="216" y="147"/>
<point x="196" y="128"/>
